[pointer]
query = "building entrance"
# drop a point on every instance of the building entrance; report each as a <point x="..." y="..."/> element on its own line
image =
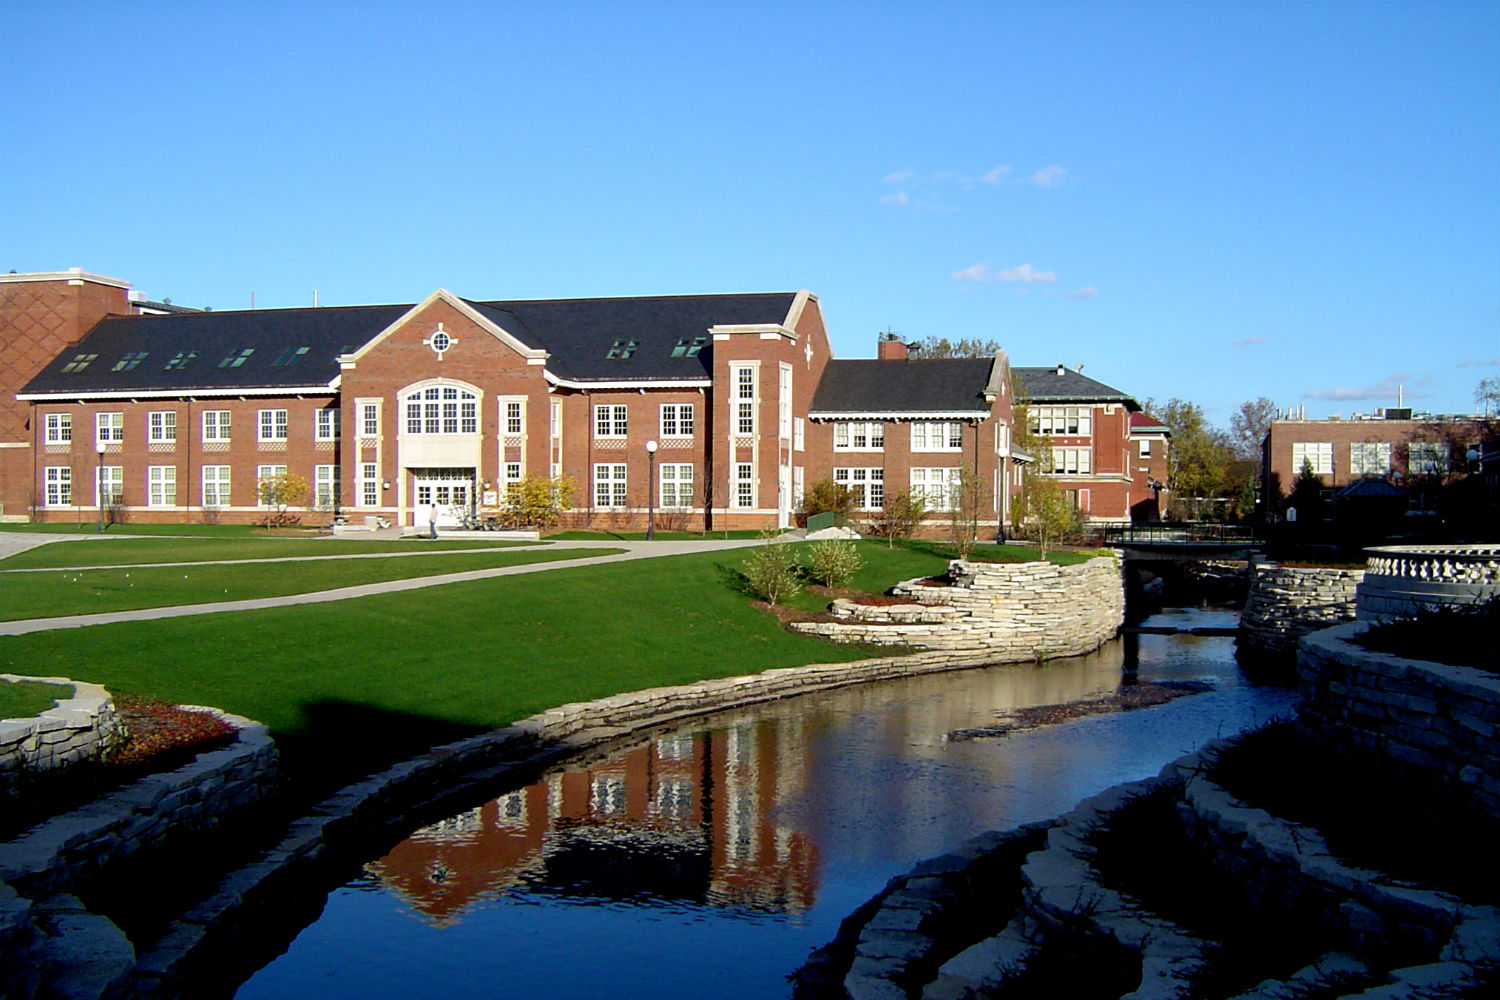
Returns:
<point x="448" y="493"/>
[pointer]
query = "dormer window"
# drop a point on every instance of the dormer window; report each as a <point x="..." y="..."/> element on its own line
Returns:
<point x="129" y="362"/>
<point x="236" y="359"/>
<point x="689" y="347"/>
<point x="181" y="361"/>
<point x="622" y="349"/>
<point x="289" y="357"/>
<point x="79" y="363"/>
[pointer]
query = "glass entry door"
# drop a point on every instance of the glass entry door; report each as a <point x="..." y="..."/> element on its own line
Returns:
<point x="443" y="495"/>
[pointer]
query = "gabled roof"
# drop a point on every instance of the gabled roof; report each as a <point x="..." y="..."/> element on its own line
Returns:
<point x="1144" y="423"/>
<point x="1060" y="384"/>
<point x="934" y="387"/>
<point x="154" y="342"/>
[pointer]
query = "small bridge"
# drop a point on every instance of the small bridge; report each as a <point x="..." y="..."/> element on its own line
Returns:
<point x="1186" y="541"/>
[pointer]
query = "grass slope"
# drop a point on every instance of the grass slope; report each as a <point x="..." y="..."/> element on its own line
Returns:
<point x="135" y="551"/>
<point x="23" y="699"/>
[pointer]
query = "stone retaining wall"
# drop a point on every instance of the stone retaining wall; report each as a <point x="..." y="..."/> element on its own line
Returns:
<point x="1286" y="603"/>
<point x="78" y="728"/>
<point x="994" y="612"/>
<point x="1439" y="719"/>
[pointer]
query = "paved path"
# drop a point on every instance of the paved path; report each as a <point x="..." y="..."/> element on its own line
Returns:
<point x="633" y="550"/>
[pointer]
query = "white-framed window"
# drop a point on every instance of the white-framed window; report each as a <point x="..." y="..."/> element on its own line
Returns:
<point x="1069" y="462"/>
<point x="1062" y="420"/>
<point x="784" y="403"/>
<point x="110" y="488"/>
<point x="798" y="432"/>
<point x="109" y="427"/>
<point x="161" y="426"/>
<point x="742" y="377"/>
<point x="215" y="425"/>
<point x="939" y="487"/>
<point x="858" y="435"/>
<point x="515" y="416"/>
<point x="272" y="425"/>
<point x="1369" y="458"/>
<point x="216" y="486"/>
<point x="937" y="435"/>
<point x="442" y="409"/>
<point x="868" y="486"/>
<point x="369" y="484"/>
<point x="744" y="484"/>
<point x="1319" y="453"/>
<point x="1078" y="499"/>
<point x="59" y="428"/>
<point x="1427" y="458"/>
<point x="59" y="480"/>
<point x="262" y="473"/>
<point x="1145" y="448"/>
<point x="325" y="487"/>
<point x="676" y="485"/>
<point x="677" y="420"/>
<point x="610" y="486"/>
<point x="369" y="419"/>
<point x="512" y="475"/>
<point x="161" y="485"/>
<point x="611" y="420"/>
<point x="327" y="425"/>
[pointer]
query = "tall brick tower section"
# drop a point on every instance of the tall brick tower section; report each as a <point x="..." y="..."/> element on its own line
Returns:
<point x="41" y="314"/>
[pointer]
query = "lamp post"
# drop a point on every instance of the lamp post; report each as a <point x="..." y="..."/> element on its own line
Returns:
<point x="99" y="482"/>
<point x="651" y="492"/>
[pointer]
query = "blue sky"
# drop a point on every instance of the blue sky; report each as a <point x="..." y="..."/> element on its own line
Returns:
<point x="1209" y="201"/>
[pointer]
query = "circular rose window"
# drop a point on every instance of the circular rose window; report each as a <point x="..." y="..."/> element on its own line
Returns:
<point x="441" y="341"/>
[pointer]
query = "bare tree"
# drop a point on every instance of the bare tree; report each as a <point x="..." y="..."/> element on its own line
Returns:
<point x="1249" y="426"/>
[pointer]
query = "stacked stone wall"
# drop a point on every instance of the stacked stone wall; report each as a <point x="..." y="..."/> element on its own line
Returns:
<point x="78" y="728"/>
<point x="1286" y="603"/>
<point x="993" y="612"/>
<point x="1442" y="721"/>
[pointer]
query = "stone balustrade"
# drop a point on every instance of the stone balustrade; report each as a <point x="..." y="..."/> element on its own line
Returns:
<point x="1402" y="580"/>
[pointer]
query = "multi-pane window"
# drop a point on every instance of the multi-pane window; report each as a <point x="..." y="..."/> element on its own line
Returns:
<point x="111" y="486"/>
<point x="743" y="377"/>
<point x="512" y="475"/>
<point x="611" y="421"/>
<point x="1369" y="458"/>
<point x="676" y="485"/>
<point x="369" y="485"/>
<point x="937" y="435"/>
<point x="677" y="420"/>
<point x="369" y="419"/>
<point x="180" y="361"/>
<point x="236" y="358"/>
<point x="325" y="487"/>
<point x="514" y="422"/>
<point x="1427" y="458"/>
<point x="1318" y="453"/>
<point x="161" y="485"/>
<point x="273" y="425"/>
<point x="263" y="473"/>
<point x="59" y="480"/>
<point x="610" y="486"/>
<point x="1145" y="448"/>
<point x="797" y="433"/>
<point x="867" y="485"/>
<point x="109" y="427"/>
<point x="327" y="428"/>
<point x="215" y="425"/>
<point x="784" y="403"/>
<point x="216" y="486"/>
<point x="858" y="435"/>
<point x="744" y="484"/>
<point x="1061" y="420"/>
<point x="79" y="363"/>
<point x="1069" y="462"/>
<point x="161" y="426"/>
<point x="442" y="409"/>
<point x="59" y="428"/>
<point x="939" y="487"/>
<point x="689" y="347"/>
<point x="129" y="361"/>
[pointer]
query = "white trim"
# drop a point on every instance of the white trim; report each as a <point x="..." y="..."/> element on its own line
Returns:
<point x="900" y="415"/>
<point x="766" y="331"/>
<point x="799" y="305"/>
<point x="468" y="311"/>
<point x="73" y="275"/>
<point x="689" y="383"/>
<point x="296" y="390"/>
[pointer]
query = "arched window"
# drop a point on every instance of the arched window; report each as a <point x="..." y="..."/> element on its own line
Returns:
<point x="441" y="409"/>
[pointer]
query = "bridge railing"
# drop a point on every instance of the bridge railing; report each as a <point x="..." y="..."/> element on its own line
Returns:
<point x="1186" y="532"/>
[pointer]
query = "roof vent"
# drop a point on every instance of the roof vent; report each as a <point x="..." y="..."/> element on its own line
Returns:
<point x="1061" y="369"/>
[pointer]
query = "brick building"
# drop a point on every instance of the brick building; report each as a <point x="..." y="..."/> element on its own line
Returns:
<point x="420" y="413"/>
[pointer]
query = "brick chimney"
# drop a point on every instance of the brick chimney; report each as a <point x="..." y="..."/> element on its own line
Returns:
<point x="891" y="350"/>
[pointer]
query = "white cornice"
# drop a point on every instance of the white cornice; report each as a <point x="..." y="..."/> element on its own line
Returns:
<point x="685" y="383"/>
<point x="292" y="390"/>
<point x="74" y="275"/>
<point x="900" y="415"/>
<point x="723" y="332"/>
<point x="531" y="354"/>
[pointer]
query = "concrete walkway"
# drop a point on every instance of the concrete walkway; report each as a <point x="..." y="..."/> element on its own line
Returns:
<point x="633" y="550"/>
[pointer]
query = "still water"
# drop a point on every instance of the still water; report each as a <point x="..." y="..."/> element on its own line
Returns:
<point x="709" y="860"/>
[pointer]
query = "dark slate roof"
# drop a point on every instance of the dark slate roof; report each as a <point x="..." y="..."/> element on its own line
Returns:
<point x="1045" y="385"/>
<point x="326" y="333"/>
<point x="936" y="385"/>
<point x="578" y="333"/>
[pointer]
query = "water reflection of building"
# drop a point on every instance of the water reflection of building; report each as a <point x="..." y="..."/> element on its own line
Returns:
<point x="685" y="817"/>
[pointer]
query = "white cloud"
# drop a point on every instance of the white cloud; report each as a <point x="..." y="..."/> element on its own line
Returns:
<point x="901" y="176"/>
<point x="995" y="175"/>
<point x="1024" y="272"/>
<point x="1489" y="363"/>
<point x="1086" y="292"/>
<point x="1048" y="176"/>
<point x="1249" y="341"/>
<point x="978" y="272"/>
<point x="898" y="199"/>
<point x="1387" y="388"/>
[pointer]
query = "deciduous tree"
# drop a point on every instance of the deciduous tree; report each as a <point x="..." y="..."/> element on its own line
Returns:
<point x="279" y="492"/>
<point x="1249" y="426"/>
<point x="964" y="347"/>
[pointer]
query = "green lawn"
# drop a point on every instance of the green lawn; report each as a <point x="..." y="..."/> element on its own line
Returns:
<point x="23" y="699"/>
<point x="89" y="526"/>
<point x="640" y="536"/>
<point x="355" y="685"/>
<point x="135" y="551"/>
<point x="92" y="591"/>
